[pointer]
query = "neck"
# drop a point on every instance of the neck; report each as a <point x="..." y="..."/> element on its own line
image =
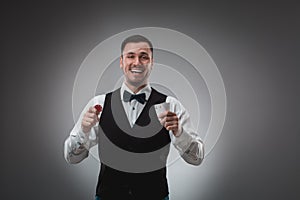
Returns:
<point x="135" y="89"/>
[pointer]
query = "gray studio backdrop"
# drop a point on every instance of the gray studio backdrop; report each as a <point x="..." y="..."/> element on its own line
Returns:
<point x="254" y="45"/>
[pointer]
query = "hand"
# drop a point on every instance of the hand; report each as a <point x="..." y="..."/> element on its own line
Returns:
<point x="89" y="119"/>
<point x="170" y="121"/>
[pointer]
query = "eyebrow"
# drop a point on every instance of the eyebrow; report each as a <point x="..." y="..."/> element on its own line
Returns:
<point x="144" y="53"/>
<point x="141" y="53"/>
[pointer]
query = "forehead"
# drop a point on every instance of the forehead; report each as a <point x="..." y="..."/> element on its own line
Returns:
<point x="137" y="47"/>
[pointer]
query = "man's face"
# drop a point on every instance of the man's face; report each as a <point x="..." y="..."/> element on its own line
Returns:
<point x="136" y="63"/>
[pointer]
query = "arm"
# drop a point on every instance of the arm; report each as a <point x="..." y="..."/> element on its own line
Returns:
<point x="83" y="136"/>
<point x="183" y="135"/>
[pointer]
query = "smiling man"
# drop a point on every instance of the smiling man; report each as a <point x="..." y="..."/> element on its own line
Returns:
<point x="136" y="62"/>
<point x="129" y="122"/>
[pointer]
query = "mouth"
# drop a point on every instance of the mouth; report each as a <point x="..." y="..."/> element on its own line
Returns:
<point x="136" y="71"/>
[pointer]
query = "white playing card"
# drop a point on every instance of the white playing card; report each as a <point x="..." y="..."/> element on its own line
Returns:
<point x="162" y="107"/>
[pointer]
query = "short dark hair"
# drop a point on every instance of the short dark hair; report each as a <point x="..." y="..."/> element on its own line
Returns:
<point x="136" y="39"/>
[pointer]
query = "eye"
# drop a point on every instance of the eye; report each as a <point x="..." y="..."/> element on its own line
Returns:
<point x="130" y="56"/>
<point x="144" y="57"/>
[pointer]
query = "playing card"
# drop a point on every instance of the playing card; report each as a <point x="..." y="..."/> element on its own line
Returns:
<point x="160" y="108"/>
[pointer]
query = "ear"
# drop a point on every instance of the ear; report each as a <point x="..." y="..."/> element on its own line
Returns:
<point x="121" y="61"/>
<point x="152" y="64"/>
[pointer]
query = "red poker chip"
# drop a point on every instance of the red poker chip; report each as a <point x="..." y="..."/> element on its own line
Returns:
<point x="98" y="108"/>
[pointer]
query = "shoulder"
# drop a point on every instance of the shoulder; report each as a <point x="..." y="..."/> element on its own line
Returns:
<point x="101" y="97"/>
<point x="168" y="99"/>
<point x="156" y="92"/>
<point x="158" y="96"/>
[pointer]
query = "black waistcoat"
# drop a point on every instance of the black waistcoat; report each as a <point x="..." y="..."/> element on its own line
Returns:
<point x="133" y="159"/>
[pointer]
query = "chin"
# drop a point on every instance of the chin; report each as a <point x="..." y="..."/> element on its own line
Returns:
<point x="136" y="83"/>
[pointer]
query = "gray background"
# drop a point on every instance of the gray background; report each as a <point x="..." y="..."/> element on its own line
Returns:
<point x="255" y="46"/>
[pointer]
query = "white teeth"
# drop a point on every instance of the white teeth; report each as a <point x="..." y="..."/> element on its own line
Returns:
<point x="136" y="70"/>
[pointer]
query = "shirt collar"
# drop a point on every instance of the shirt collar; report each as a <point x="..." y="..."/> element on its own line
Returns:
<point x="147" y="90"/>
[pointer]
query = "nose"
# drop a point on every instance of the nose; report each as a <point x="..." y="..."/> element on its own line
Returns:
<point x="136" y="61"/>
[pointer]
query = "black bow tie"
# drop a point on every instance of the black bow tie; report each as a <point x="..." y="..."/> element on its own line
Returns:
<point x="139" y="97"/>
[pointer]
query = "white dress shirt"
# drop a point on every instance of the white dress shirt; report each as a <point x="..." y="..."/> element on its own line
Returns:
<point x="187" y="142"/>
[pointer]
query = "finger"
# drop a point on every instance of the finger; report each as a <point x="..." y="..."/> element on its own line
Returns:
<point x="91" y="120"/>
<point x="172" y="128"/>
<point x="172" y="118"/>
<point x="172" y="123"/>
<point x="90" y="123"/>
<point x="169" y="113"/>
<point x="92" y="110"/>
<point x="91" y="115"/>
<point x="86" y="124"/>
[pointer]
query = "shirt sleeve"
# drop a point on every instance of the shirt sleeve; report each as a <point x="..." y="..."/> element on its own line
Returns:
<point x="187" y="141"/>
<point x="78" y="143"/>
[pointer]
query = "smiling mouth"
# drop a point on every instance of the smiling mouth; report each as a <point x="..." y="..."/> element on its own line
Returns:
<point x="137" y="71"/>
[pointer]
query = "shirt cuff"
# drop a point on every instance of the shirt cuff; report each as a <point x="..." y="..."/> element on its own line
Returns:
<point x="195" y="153"/>
<point x="82" y="141"/>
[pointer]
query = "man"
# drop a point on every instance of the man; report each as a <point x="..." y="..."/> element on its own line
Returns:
<point x="133" y="139"/>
